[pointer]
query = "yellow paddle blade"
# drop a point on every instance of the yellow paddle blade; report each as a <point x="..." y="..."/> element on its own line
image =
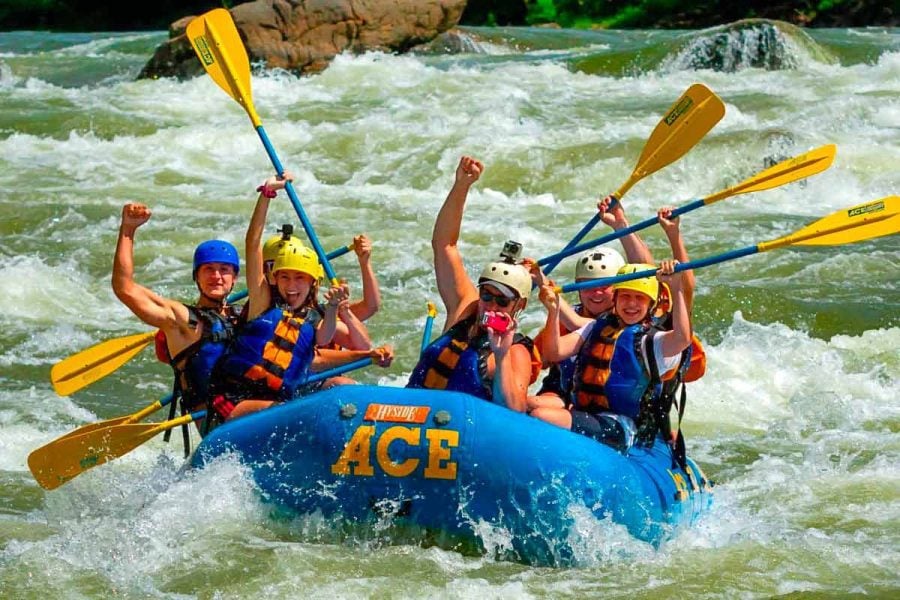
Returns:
<point x="855" y="224"/>
<point x="790" y="170"/>
<point x="82" y="369"/>
<point x="221" y="52"/>
<point x="684" y="124"/>
<point x="69" y="456"/>
<point x="127" y="419"/>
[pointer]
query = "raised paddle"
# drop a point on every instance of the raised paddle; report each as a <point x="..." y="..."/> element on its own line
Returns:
<point x="221" y="52"/>
<point x="846" y="226"/>
<point x="684" y="124"/>
<point x="790" y="170"/>
<point x="68" y="456"/>
<point x="93" y="364"/>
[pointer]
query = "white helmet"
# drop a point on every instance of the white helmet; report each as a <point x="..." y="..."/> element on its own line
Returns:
<point x="601" y="262"/>
<point x="508" y="278"/>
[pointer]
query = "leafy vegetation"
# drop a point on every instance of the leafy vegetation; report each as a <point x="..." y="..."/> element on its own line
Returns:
<point x="97" y="15"/>
<point x="680" y="13"/>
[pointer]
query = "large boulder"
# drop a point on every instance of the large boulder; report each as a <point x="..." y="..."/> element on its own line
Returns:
<point x="303" y="36"/>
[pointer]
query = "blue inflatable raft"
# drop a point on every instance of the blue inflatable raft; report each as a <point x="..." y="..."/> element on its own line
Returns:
<point x="451" y="464"/>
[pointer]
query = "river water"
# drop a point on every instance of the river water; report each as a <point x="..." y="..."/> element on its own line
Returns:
<point x="797" y="419"/>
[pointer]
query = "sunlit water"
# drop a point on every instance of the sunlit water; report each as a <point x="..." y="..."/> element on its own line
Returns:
<point x="797" y="418"/>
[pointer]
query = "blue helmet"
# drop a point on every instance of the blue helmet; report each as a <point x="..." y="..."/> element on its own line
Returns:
<point x="218" y="251"/>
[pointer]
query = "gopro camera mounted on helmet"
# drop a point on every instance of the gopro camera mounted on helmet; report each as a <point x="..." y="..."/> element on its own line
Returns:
<point x="286" y="231"/>
<point x="512" y="252"/>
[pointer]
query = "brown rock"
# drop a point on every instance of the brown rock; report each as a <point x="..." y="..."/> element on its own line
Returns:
<point x="303" y="36"/>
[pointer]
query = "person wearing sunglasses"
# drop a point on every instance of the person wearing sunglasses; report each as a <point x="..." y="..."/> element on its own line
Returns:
<point x="479" y="352"/>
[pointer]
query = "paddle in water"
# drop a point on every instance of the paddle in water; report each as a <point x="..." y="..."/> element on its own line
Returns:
<point x="66" y="457"/>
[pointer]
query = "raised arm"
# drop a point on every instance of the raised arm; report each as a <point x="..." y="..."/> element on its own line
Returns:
<point x="371" y="294"/>
<point x="456" y="289"/>
<point x="556" y="348"/>
<point x="675" y="341"/>
<point x="636" y="251"/>
<point x="259" y="292"/>
<point x="329" y="326"/>
<point x="149" y="307"/>
<point x="350" y="332"/>
<point x="672" y="228"/>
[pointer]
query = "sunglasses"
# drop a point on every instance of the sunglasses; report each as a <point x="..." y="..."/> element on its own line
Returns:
<point x="498" y="299"/>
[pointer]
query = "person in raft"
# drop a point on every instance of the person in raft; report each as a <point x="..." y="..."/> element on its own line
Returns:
<point x="597" y="263"/>
<point x="334" y="354"/>
<point x="621" y="357"/>
<point x="362" y="309"/>
<point x="195" y="335"/>
<point x="270" y="358"/>
<point x="480" y="351"/>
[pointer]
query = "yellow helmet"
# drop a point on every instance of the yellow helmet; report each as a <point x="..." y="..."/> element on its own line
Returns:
<point x="271" y="249"/>
<point x="297" y="257"/>
<point x="649" y="286"/>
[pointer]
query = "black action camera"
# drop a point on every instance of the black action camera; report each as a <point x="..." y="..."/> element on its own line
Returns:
<point x="286" y="231"/>
<point x="512" y="252"/>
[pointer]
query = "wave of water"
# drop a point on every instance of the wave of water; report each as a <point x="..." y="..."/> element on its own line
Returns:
<point x="797" y="418"/>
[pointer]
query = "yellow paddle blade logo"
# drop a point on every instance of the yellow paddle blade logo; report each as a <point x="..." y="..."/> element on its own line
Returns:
<point x="203" y="50"/>
<point x="866" y="208"/>
<point x="679" y="110"/>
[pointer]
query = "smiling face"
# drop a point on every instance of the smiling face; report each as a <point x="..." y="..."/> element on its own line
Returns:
<point x="293" y="286"/>
<point x="596" y="300"/>
<point x="216" y="280"/>
<point x="631" y="306"/>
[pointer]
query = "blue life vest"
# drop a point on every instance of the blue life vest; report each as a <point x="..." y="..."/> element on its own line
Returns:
<point x="270" y="358"/>
<point x="194" y="365"/>
<point x="610" y="375"/>
<point x="456" y="363"/>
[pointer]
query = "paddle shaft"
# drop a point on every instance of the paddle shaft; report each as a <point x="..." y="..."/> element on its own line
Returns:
<point x="429" y="323"/>
<point x="690" y="118"/>
<point x="619" y="233"/>
<point x="295" y="202"/>
<point x="553" y="260"/>
<point x="787" y="171"/>
<point x="808" y="233"/>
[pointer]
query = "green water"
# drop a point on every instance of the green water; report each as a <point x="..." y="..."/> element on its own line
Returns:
<point x="797" y="418"/>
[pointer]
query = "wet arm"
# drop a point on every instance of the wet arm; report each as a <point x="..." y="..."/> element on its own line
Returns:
<point x="457" y="291"/>
<point x="512" y="376"/>
<point x="148" y="306"/>
<point x="260" y="296"/>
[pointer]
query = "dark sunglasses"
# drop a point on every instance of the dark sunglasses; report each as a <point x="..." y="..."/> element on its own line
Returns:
<point x="499" y="300"/>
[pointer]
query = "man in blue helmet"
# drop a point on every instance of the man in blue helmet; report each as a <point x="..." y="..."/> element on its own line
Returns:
<point x="195" y="335"/>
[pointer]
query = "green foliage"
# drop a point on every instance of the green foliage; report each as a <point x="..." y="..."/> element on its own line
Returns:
<point x="541" y="11"/>
<point x="826" y="5"/>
